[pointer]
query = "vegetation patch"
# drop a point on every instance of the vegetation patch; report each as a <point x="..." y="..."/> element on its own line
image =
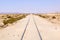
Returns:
<point x="12" y="19"/>
<point x="6" y="19"/>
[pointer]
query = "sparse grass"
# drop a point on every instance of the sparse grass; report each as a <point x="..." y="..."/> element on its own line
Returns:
<point x="43" y="16"/>
<point x="10" y="19"/>
<point x="53" y="18"/>
<point x="7" y="19"/>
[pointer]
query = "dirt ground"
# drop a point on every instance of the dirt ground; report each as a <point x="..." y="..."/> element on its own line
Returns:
<point x="46" y="29"/>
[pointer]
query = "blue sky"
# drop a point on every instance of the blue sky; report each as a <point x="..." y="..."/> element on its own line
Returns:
<point x="30" y="6"/>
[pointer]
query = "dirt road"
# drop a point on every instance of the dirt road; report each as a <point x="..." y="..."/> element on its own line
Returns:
<point x="31" y="28"/>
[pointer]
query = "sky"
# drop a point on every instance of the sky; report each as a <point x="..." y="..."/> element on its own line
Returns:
<point x="29" y="6"/>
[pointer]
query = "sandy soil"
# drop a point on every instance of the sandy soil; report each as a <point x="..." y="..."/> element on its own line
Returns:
<point x="52" y="17"/>
<point x="14" y="31"/>
<point x="48" y="30"/>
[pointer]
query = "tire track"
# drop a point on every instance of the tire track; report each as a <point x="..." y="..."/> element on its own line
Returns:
<point x="25" y="29"/>
<point x="37" y="29"/>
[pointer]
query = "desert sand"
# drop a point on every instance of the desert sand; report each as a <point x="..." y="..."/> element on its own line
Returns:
<point x="37" y="28"/>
